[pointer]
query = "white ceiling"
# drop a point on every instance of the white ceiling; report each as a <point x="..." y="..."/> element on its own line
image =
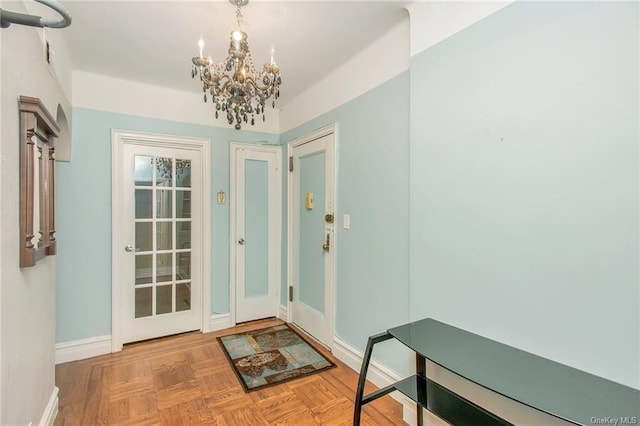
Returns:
<point x="154" y="41"/>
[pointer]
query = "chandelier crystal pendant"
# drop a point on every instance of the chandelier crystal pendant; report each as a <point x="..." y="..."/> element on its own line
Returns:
<point x="234" y="86"/>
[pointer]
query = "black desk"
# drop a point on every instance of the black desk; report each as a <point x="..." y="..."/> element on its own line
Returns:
<point x="556" y="389"/>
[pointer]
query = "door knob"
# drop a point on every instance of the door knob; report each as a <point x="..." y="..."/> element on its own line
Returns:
<point x="128" y="248"/>
<point x="241" y="241"/>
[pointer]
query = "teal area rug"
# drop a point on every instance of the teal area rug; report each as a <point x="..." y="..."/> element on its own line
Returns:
<point x="270" y="356"/>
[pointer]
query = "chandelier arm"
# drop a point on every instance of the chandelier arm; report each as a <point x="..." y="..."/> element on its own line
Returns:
<point x="215" y="84"/>
<point x="223" y="89"/>
<point x="262" y="88"/>
<point x="250" y="81"/>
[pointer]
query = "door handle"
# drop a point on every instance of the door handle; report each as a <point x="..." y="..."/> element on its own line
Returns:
<point x="128" y="248"/>
<point x="326" y="245"/>
<point x="241" y="241"/>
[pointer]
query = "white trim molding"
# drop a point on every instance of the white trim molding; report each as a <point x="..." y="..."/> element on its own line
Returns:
<point x="283" y="313"/>
<point x="219" y="322"/>
<point x="378" y="374"/>
<point x="82" y="349"/>
<point x="51" y="410"/>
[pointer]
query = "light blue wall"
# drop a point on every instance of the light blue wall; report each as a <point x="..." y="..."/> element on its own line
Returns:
<point x="372" y="271"/>
<point x="524" y="183"/>
<point x="83" y="217"/>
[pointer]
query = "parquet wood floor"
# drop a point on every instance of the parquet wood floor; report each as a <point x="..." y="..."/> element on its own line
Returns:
<point x="186" y="380"/>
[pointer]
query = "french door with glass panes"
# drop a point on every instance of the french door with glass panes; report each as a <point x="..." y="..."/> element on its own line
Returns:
<point x="161" y="225"/>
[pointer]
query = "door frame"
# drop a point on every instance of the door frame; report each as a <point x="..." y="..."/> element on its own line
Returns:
<point x="203" y="145"/>
<point x="309" y="137"/>
<point x="274" y="246"/>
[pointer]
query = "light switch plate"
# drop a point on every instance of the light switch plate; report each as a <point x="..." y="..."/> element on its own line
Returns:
<point x="346" y="221"/>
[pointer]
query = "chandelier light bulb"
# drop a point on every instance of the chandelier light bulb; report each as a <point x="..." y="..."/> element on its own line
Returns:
<point x="236" y="36"/>
<point x="201" y="45"/>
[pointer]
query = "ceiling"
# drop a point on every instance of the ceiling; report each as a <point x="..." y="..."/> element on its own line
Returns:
<point x="154" y="41"/>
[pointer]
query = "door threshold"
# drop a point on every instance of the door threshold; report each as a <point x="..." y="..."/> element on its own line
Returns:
<point x="256" y="321"/>
<point x="157" y="339"/>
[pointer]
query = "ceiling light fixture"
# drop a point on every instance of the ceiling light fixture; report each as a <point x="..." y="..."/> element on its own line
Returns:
<point x="235" y="87"/>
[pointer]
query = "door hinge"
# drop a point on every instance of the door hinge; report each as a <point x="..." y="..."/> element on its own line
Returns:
<point x="290" y="164"/>
<point x="290" y="293"/>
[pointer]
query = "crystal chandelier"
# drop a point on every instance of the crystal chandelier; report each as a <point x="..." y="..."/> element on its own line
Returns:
<point x="234" y="86"/>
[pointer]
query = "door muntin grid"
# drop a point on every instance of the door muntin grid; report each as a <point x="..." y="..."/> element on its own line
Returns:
<point x="162" y="196"/>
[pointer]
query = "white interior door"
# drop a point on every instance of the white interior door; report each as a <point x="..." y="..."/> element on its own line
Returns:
<point x="160" y="274"/>
<point x="312" y="235"/>
<point x="256" y="236"/>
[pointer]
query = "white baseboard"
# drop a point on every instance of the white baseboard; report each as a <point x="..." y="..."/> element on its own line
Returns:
<point x="83" y="348"/>
<point x="283" y="312"/>
<point x="51" y="410"/>
<point x="100" y="345"/>
<point x="219" y="322"/>
<point x="409" y="414"/>
<point x="378" y="374"/>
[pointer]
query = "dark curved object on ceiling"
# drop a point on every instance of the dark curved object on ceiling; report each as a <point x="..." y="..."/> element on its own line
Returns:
<point x="7" y="18"/>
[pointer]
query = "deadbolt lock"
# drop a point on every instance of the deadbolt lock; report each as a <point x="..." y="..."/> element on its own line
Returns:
<point x="326" y="245"/>
<point x="328" y="218"/>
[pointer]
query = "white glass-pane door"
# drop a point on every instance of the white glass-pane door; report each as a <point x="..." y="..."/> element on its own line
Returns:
<point x="163" y="293"/>
<point x="163" y="235"/>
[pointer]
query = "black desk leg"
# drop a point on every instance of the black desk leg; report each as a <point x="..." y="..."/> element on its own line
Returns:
<point x="363" y="373"/>
<point x="421" y="370"/>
